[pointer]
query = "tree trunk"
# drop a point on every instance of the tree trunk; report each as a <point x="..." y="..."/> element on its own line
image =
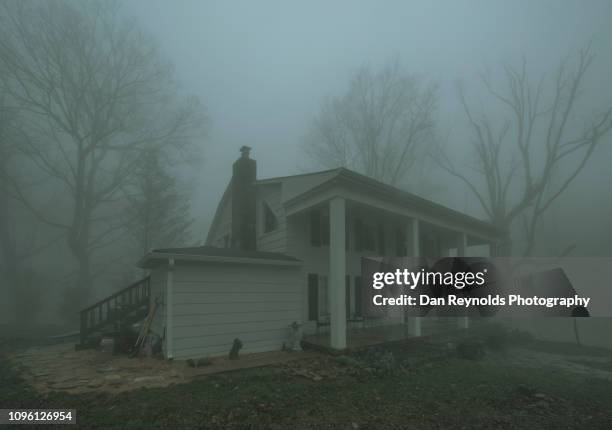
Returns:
<point x="76" y="295"/>
<point x="83" y="281"/>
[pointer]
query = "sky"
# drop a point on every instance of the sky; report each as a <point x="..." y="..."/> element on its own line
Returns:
<point x="262" y="68"/>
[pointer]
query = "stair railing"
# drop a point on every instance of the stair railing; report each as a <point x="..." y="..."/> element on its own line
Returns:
<point x="113" y="307"/>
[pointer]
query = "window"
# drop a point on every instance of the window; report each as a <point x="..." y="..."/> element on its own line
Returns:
<point x="270" y="220"/>
<point x="319" y="227"/>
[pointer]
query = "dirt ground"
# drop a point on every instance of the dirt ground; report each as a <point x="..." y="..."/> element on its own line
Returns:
<point x="61" y="368"/>
<point x="535" y="385"/>
<point x="584" y="365"/>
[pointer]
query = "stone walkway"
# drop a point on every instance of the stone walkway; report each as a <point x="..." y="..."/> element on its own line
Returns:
<point x="61" y="368"/>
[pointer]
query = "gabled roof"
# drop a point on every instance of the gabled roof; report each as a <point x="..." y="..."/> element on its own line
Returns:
<point x="306" y="185"/>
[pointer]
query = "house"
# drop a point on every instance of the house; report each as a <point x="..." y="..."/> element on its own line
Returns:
<point x="289" y="249"/>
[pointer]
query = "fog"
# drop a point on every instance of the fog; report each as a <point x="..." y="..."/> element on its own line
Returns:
<point x="262" y="70"/>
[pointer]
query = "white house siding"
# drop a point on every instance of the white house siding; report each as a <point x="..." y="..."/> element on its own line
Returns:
<point x="214" y="303"/>
<point x="159" y="278"/>
<point x="276" y="240"/>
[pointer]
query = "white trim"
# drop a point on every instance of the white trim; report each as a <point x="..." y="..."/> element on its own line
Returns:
<point x="215" y="259"/>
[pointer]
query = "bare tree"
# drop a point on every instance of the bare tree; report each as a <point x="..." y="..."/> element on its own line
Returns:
<point x="377" y="127"/>
<point x="95" y="94"/>
<point x="529" y="161"/>
<point x="18" y="245"/>
<point x="159" y="213"/>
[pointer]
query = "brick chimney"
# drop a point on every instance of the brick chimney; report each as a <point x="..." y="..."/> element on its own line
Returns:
<point x="244" y="175"/>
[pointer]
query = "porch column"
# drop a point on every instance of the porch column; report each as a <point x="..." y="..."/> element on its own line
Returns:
<point x="414" y="248"/>
<point x="464" y="321"/>
<point x="337" y="272"/>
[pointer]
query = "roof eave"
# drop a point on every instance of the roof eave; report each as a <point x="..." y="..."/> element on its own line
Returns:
<point x="161" y="256"/>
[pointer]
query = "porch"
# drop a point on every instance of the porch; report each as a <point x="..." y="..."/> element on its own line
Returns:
<point x="342" y="225"/>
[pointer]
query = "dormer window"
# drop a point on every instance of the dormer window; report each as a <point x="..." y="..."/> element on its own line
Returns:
<point x="270" y="222"/>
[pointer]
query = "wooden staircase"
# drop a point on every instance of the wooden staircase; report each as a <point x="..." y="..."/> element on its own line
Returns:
<point x="125" y="306"/>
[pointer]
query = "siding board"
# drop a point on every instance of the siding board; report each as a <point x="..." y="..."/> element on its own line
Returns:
<point x="214" y="319"/>
<point x="277" y="335"/>
<point x="214" y="303"/>
<point x="238" y="329"/>
<point x="223" y="349"/>
<point x="239" y="307"/>
<point x="205" y="297"/>
<point x="158" y="292"/>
